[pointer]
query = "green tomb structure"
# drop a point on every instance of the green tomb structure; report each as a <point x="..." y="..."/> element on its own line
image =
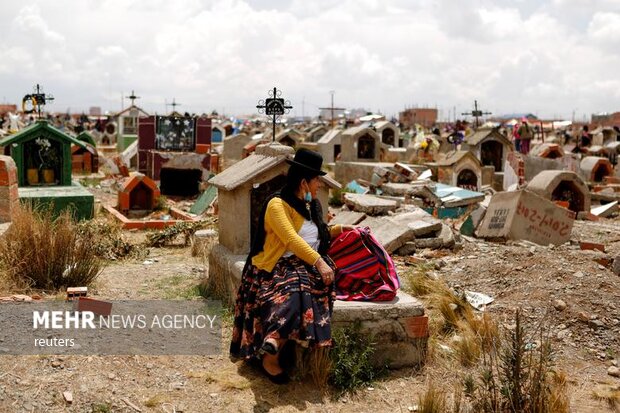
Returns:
<point x="42" y="154"/>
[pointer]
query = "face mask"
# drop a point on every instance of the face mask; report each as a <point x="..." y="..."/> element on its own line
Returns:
<point x="308" y="197"/>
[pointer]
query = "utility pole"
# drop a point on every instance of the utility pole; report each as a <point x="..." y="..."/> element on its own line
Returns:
<point x="332" y="108"/>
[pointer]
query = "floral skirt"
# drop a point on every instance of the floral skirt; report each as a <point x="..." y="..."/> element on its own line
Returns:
<point x="291" y="302"/>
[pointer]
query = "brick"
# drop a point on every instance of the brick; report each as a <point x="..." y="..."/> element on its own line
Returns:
<point x="416" y="327"/>
<point x="586" y="245"/>
<point x="98" y="307"/>
<point x="203" y="148"/>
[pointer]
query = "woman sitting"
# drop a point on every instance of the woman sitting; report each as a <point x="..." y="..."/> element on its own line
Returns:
<point x="286" y="290"/>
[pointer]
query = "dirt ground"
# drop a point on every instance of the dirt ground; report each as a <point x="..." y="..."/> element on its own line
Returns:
<point x="586" y="335"/>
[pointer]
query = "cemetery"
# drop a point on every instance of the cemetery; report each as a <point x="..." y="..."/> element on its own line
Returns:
<point x="463" y="226"/>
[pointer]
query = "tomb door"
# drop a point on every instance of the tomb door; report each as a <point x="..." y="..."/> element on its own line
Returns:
<point x="366" y="147"/>
<point x="216" y="135"/>
<point x="467" y="179"/>
<point x="491" y="153"/>
<point x="387" y="137"/>
<point x="141" y="197"/>
<point x="337" y="150"/>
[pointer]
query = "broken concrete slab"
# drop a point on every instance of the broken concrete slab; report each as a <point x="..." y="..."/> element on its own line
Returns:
<point x="394" y="231"/>
<point x="396" y="189"/>
<point x="347" y="218"/>
<point x="606" y="210"/>
<point x="370" y="204"/>
<point x="453" y="196"/>
<point x="523" y="215"/>
<point x="409" y="248"/>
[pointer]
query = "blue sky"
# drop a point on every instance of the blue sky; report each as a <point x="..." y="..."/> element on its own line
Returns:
<point x="550" y="57"/>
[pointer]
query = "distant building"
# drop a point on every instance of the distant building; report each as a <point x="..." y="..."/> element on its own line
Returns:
<point x="94" y="111"/>
<point x="606" y="119"/>
<point x="426" y="117"/>
<point x="7" y="108"/>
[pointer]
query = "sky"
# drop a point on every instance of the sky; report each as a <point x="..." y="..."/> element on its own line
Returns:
<point x="553" y="58"/>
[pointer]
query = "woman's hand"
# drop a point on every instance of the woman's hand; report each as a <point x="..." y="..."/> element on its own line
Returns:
<point x="327" y="274"/>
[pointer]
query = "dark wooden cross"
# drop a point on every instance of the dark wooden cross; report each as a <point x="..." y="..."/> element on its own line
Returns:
<point x="332" y="108"/>
<point x="476" y="113"/>
<point x="133" y="97"/>
<point x="274" y="106"/>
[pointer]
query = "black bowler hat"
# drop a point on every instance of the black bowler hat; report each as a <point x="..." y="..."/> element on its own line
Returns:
<point x="308" y="160"/>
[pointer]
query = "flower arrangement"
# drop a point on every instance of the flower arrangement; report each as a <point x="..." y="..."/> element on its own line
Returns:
<point x="47" y="154"/>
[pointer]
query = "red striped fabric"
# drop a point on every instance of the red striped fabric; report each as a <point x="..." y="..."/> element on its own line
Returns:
<point x="366" y="271"/>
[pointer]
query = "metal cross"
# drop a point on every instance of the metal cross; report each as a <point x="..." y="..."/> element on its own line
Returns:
<point x="274" y="106"/>
<point x="37" y="100"/>
<point x="476" y="113"/>
<point x="332" y="108"/>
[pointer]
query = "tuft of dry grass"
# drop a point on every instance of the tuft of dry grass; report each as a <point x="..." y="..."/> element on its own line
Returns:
<point x="609" y="395"/>
<point x="432" y="401"/>
<point x="320" y="366"/>
<point x="43" y="252"/>
<point x="467" y="345"/>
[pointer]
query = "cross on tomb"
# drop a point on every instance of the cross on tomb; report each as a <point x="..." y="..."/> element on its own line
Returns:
<point x="174" y="105"/>
<point x="476" y="113"/>
<point x="132" y="97"/>
<point x="332" y="108"/>
<point x="36" y="101"/>
<point x="274" y="106"/>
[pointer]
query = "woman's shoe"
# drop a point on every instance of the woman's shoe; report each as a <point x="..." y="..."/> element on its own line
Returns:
<point x="280" y="378"/>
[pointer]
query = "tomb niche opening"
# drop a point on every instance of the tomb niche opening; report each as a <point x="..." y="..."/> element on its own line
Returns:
<point x="467" y="179"/>
<point x="43" y="162"/>
<point x="288" y="141"/>
<point x="601" y="170"/>
<point x="337" y="150"/>
<point x="366" y="147"/>
<point x="567" y="191"/>
<point x="491" y="153"/>
<point x="180" y="182"/>
<point x="387" y="137"/>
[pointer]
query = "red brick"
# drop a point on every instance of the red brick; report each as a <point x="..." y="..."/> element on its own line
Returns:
<point x="585" y="245"/>
<point x="96" y="306"/>
<point x="416" y="327"/>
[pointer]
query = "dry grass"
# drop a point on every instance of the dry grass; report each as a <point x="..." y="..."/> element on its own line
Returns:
<point x="319" y="366"/>
<point x="432" y="401"/>
<point x="42" y="252"/>
<point x="467" y="346"/>
<point x="609" y="395"/>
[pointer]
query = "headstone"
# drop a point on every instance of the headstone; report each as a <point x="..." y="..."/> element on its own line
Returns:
<point x="523" y="215"/>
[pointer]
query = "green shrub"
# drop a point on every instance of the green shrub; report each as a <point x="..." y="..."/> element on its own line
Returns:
<point x="351" y="357"/>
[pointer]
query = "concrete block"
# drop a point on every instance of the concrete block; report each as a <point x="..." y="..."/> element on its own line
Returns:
<point x="523" y="215"/>
<point x="562" y="186"/>
<point x="348" y="218"/>
<point x="394" y="231"/>
<point x="370" y="204"/>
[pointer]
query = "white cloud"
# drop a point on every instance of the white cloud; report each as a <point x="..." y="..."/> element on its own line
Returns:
<point x="548" y="56"/>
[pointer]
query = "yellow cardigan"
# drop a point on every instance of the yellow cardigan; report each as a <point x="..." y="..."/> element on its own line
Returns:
<point x="282" y="224"/>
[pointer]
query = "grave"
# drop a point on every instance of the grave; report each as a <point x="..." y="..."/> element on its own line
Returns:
<point x="330" y="145"/>
<point x="462" y="169"/>
<point x="175" y="150"/>
<point x="233" y="149"/>
<point x="565" y="186"/>
<point x="400" y="326"/>
<point x="547" y="150"/>
<point x="42" y="155"/>
<point x="138" y="197"/>
<point x="524" y="215"/>
<point x="9" y="195"/>
<point x="127" y="121"/>
<point x="390" y="135"/>
<point x="490" y="146"/>
<point x="593" y="169"/>
<point x="360" y="144"/>
<point x="218" y="133"/>
<point x="289" y="137"/>
<point x="84" y="160"/>
<point x="315" y="133"/>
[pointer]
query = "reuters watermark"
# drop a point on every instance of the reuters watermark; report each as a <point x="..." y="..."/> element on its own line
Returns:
<point x="125" y="328"/>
